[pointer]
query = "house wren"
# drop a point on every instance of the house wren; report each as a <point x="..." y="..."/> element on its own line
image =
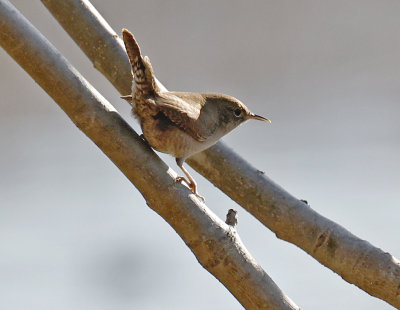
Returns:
<point x="179" y="123"/>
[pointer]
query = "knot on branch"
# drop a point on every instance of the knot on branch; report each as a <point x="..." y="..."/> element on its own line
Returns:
<point x="321" y="240"/>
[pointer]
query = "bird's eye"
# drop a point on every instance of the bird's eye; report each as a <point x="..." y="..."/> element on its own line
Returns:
<point x="237" y="112"/>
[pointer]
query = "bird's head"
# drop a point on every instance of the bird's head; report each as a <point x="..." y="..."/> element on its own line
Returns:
<point x="230" y="112"/>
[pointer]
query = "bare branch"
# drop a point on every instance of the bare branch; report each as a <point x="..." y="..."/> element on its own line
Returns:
<point x="355" y="260"/>
<point x="217" y="247"/>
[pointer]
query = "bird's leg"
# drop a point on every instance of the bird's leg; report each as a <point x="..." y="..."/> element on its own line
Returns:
<point x="191" y="183"/>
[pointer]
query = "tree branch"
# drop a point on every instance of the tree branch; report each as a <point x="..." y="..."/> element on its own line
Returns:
<point x="216" y="245"/>
<point x="355" y="260"/>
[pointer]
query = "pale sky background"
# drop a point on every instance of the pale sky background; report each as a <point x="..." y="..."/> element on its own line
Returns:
<point x="75" y="234"/>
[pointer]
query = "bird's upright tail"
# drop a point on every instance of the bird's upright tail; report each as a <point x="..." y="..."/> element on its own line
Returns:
<point x="141" y="67"/>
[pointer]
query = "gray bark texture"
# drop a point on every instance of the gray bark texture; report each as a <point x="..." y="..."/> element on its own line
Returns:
<point x="215" y="244"/>
<point x="355" y="260"/>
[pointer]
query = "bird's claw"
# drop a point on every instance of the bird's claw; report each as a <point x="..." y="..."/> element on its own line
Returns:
<point x="182" y="179"/>
<point x="192" y="187"/>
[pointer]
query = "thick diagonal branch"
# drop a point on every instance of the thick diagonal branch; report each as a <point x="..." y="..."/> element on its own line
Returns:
<point x="355" y="260"/>
<point x="216" y="245"/>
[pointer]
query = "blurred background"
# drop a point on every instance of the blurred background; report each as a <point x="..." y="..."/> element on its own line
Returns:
<point x="75" y="234"/>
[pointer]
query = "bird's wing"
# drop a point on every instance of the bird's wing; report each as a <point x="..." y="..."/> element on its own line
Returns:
<point x="185" y="113"/>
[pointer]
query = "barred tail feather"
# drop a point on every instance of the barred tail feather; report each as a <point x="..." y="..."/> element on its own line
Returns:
<point x="141" y="67"/>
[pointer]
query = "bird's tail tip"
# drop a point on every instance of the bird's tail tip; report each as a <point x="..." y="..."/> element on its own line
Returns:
<point x="141" y="66"/>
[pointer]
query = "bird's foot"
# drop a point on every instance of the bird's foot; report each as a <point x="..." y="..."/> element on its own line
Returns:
<point x="182" y="179"/>
<point x="192" y="187"/>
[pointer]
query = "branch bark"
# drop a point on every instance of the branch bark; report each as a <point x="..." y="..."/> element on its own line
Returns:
<point x="355" y="260"/>
<point x="215" y="244"/>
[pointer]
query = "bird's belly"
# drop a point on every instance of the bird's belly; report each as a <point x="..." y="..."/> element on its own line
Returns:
<point x="171" y="140"/>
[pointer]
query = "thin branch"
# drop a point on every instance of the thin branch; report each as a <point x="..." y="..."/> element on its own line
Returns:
<point x="216" y="245"/>
<point x="355" y="260"/>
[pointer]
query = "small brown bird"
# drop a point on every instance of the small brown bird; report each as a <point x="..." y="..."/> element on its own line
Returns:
<point x="179" y="123"/>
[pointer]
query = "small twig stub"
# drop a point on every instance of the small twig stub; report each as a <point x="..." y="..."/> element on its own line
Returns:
<point x="231" y="218"/>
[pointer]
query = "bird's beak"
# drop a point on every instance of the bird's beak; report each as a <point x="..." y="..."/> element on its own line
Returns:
<point x="259" y="118"/>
